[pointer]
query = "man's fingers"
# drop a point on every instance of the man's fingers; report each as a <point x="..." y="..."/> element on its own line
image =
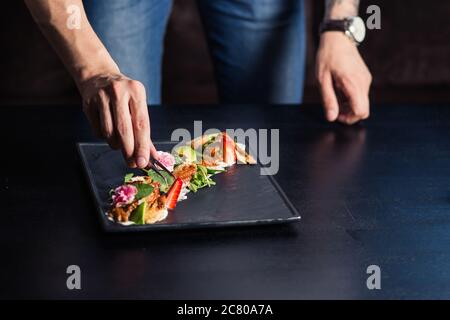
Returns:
<point x="330" y="101"/>
<point x="141" y="124"/>
<point x="348" y="119"/>
<point x="153" y="151"/>
<point x="358" y="102"/>
<point x="117" y="111"/>
<point x="106" y="121"/>
<point x="366" y="106"/>
<point x="124" y="127"/>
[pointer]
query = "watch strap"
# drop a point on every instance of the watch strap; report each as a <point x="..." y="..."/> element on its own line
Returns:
<point x="333" y="25"/>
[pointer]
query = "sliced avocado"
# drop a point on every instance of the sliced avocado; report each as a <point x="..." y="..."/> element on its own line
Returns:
<point x="187" y="153"/>
<point x="137" y="216"/>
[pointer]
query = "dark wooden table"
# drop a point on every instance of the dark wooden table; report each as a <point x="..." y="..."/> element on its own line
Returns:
<point x="373" y="194"/>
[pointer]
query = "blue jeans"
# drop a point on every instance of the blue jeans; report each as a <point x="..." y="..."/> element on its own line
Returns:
<point x="258" y="46"/>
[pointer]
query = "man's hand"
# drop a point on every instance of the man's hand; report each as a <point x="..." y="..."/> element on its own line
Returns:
<point x="344" y="79"/>
<point x="342" y="74"/>
<point x="114" y="104"/>
<point x="117" y="110"/>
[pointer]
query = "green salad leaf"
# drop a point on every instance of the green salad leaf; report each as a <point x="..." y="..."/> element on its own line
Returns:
<point x="168" y="182"/>
<point x="128" y="177"/>
<point x="165" y="181"/>
<point x="155" y="177"/>
<point x="144" y="190"/>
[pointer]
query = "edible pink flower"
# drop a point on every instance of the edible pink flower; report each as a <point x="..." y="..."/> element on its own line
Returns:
<point x="124" y="195"/>
<point x="166" y="159"/>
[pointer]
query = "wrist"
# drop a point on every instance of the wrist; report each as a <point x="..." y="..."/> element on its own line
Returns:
<point x="353" y="28"/>
<point x="335" y="37"/>
<point x="99" y="63"/>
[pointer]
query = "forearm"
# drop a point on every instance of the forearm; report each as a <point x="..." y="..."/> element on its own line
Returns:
<point x="339" y="9"/>
<point x="81" y="50"/>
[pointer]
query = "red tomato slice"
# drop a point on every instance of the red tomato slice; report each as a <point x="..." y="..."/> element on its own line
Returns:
<point x="173" y="194"/>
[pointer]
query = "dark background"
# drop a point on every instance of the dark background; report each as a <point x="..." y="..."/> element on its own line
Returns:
<point x="408" y="56"/>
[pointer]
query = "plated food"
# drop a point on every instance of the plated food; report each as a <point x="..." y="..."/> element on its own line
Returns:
<point x="148" y="198"/>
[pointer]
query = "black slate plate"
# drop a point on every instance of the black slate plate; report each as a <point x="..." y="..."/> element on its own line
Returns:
<point x="241" y="196"/>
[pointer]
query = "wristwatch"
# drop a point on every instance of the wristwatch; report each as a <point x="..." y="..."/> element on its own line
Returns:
<point x="353" y="27"/>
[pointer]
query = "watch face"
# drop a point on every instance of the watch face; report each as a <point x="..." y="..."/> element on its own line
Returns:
<point x="357" y="28"/>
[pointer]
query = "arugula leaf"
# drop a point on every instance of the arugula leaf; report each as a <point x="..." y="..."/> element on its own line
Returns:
<point x="193" y="187"/>
<point x="201" y="179"/>
<point x="143" y="190"/>
<point x="215" y="171"/>
<point x="128" y="177"/>
<point x="202" y="170"/>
